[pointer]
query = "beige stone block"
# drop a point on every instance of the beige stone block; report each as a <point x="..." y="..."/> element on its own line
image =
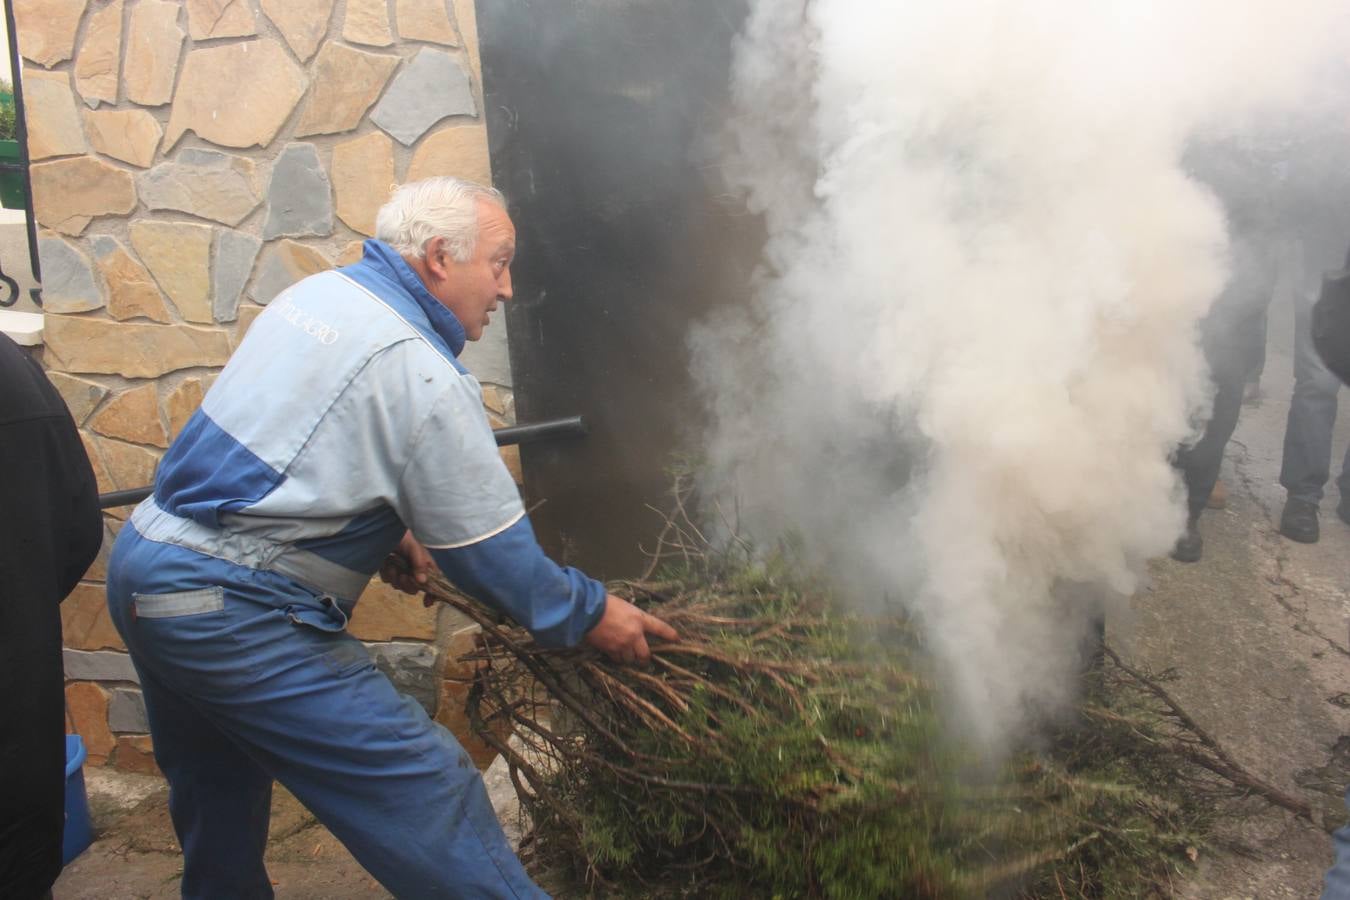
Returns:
<point x="363" y="176"/>
<point x="178" y="255"/>
<point x="236" y="95"/>
<point x="81" y="396"/>
<point x="85" y="624"/>
<point x="220" y="18"/>
<point x="132" y="292"/>
<point x="47" y="29"/>
<point x="344" y="85"/>
<point x="303" y="23"/>
<point x="130" y="349"/>
<point x="133" y="415"/>
<point x="181" y="403"/>
<point x="284" y="263"/>
<point x="500" y="404"/>
<point x="425" y="20"/>
<point x="128" y="466"/>
<point x="466" y="19"/>
<point x="97" y="66"/>
<point x="247" y="313"/>
<point x="367" y="22"/>
<point x="153" y="44"/>
<point x="351" y="253"/>
<point x="459" y="150"/>
<point x="53" y="120"/>
<point x="87" y="707"/>
<point x="451" y="712"/>
<point x="136" y="753"/>
<point x="96" y="461"/>
<point x="67" y="193"/>
<point x="131" y="135"/>
<point x="461" y="643"/>
<point x="98" y="569"/>
<point x="385" y="614"/>
<point x="511" y="458"/>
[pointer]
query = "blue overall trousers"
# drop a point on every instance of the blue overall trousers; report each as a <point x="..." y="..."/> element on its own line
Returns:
<point x="250" y="677"/>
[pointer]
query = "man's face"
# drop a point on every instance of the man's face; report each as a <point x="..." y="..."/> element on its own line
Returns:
<point x="471" y="290"/>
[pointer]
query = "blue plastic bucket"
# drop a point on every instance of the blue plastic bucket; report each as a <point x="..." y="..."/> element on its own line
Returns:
<point x="79" y="832"/>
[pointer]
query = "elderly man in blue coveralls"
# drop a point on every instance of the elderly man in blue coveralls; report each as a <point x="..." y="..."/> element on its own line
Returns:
<point x="342" y="429"/>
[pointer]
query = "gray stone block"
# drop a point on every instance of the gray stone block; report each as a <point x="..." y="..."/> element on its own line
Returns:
<point x="487" y="358"/>
<point x="273" y="278"/>
<point x="411" y="667"/>
<point x="206" y="183"/>
<point x="299" y="196"/>
<point x="432" y="87"/>
<point x="103" y="246"/>
<point x="68" y="284"/>
<point x="234" y="254"/>
<point x="98" y="665"/>
<point x="126" y="711"/>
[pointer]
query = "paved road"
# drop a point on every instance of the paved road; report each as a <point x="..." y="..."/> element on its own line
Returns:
<point x="1258" y="634"/>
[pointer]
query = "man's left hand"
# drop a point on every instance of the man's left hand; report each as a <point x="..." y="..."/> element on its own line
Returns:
<point x="621" y="633"/>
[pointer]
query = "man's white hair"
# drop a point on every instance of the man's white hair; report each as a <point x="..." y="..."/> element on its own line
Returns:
<point x="441" y="207"/>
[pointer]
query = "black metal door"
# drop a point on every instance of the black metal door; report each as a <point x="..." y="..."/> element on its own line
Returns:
<point x="604" y="118"/>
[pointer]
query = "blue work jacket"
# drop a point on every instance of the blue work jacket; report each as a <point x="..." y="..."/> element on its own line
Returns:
<point x="343" y="419"/>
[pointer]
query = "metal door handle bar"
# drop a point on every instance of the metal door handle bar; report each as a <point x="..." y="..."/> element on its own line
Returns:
<point x="530" y="433"/>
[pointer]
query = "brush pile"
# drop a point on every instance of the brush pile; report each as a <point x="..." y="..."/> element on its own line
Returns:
<point x="783" y="748"/>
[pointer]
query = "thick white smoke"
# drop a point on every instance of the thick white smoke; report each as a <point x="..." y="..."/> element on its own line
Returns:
<point x="972" y="349"/>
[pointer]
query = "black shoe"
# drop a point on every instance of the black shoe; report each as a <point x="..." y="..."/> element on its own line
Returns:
<point x="1298" y="522"/>
<point x="1190" y="546"/>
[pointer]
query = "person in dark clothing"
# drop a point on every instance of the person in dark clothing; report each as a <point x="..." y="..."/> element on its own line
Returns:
<point x="1233" y="335"/>
<point x="1318" y="213"/>
<point x="50" y="531"/>
<point x="1329" y="333"/>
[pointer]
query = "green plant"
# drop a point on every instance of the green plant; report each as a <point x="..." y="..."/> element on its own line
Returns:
<point x="8" y="117"/>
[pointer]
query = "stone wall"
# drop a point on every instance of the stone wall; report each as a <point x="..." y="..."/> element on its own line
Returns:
<point x="190" y="160"/>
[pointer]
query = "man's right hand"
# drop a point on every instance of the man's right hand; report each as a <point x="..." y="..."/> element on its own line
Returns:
<point x="621" y="633"/>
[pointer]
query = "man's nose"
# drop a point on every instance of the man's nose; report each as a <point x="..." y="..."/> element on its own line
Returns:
<point x="504" y="286"/>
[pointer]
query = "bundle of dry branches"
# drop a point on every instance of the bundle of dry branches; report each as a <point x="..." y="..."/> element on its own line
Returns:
<point x="785" y="748"/>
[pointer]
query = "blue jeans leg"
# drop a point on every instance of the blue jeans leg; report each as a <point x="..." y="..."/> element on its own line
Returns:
<point x="1338" y="878"/>
<point x="1312" y="414"/>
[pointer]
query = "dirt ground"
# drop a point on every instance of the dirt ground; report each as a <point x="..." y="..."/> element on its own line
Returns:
<point x="1257" y="634"/>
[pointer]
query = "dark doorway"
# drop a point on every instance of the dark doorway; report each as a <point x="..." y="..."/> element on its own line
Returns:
<point x="605" y="121"/>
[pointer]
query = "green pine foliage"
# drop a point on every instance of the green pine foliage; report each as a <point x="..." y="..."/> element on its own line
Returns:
<point x="787" y="748"/>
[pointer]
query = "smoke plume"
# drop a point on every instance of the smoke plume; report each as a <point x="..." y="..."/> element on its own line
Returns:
<point x="972" y="348"/>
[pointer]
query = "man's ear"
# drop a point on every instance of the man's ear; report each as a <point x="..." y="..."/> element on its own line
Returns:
<point x="435" y="257"/>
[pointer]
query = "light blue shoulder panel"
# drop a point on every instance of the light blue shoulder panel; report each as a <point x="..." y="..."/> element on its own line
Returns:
<point x="409" y="433"/>
<point x="301" y="353"/>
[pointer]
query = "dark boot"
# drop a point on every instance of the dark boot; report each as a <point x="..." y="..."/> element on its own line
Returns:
<point x="1190" y="546"/>
<point x="1299" y="521"/>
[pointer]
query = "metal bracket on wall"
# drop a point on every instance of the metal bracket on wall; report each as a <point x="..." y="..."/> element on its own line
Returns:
<point x="530" y="433"/>
<point x="21" y="135"/>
